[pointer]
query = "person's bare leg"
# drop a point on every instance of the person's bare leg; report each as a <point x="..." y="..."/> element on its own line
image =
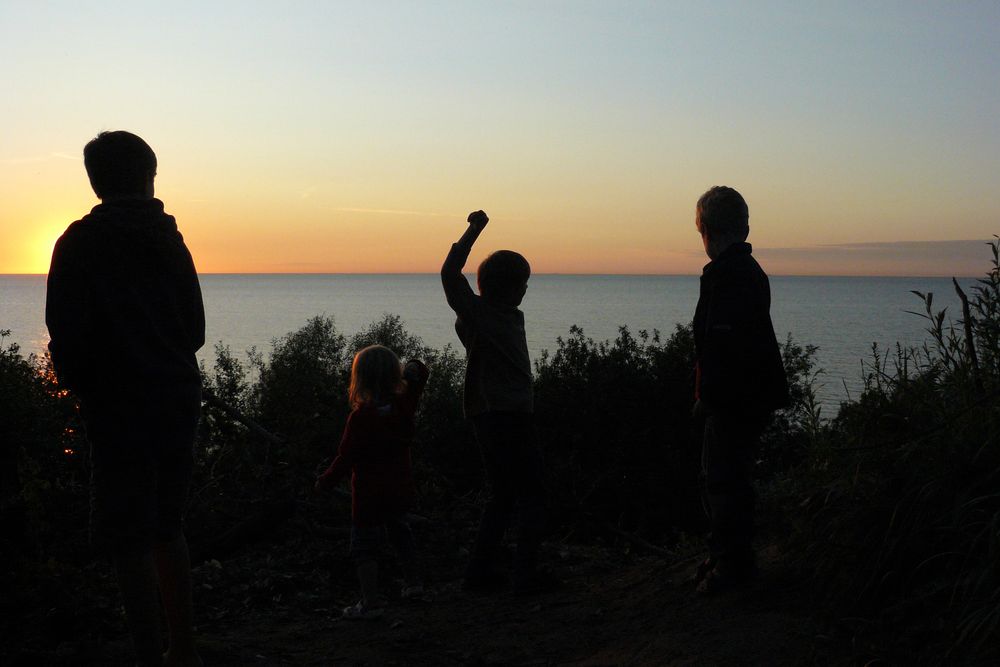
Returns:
<point x="368" y="578"/>
<point x="173" y="566"/>
<point x="137" y="582"/>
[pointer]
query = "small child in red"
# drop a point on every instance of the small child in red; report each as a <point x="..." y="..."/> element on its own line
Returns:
<point x="375" y="449"/>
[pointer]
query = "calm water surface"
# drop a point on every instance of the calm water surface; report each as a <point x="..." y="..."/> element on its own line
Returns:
<point x="843" y="316"/>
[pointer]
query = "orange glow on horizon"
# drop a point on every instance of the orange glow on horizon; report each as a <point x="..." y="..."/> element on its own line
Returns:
<point x="39" y="244"/>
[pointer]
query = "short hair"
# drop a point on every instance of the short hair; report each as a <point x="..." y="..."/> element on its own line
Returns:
<point x="722" y="212"/>
<point x="502" y="275"/>
<point x="118" y="163"/>
<point x="376" y="376"/>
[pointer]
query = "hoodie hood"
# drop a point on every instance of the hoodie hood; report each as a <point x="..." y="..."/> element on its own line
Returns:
<point x="141" y="216"/>
<point x="128" y="223"/>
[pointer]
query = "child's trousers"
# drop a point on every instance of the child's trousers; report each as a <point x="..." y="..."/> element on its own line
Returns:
<point x="515" y="484"/>
<point x="729" y="447"/>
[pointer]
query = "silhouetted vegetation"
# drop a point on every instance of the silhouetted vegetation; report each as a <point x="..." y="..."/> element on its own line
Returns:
<point x="900" y="525"/>
<point x="890" y="508"/>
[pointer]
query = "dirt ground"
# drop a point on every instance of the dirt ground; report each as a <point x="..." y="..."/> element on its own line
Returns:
<point x="278" y="603"/>
<point x="640" y="613"/>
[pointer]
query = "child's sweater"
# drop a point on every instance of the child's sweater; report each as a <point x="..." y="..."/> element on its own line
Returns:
<point x="375" y="448"/>
<point x="498" y="370"/>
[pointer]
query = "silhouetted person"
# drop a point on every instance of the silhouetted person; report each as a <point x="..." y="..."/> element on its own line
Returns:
<point x="125" y="317"/>
<point x="498" y="399"/>
<point x="375" y="451"/>
<point x="740" y="382"/>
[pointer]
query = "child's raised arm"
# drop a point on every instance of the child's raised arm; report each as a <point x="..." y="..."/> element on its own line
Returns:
<point x="456" y="287"/>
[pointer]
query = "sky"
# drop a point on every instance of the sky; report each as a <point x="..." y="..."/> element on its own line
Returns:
<point x="310" y="137"/>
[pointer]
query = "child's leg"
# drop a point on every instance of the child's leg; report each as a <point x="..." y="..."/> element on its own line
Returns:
<point x="492" y="435"/>
<point x="401" y="537"/>
<point x="123" y="516"/>
<point x="368" y="578"/>
<point x="364" y="552"/>
<point x="175" y="463"/>
<point x="727" y="459"/>
<point x="173" y="567"/>
<point x="532" y="495"/>
<point x="137" y="582"/>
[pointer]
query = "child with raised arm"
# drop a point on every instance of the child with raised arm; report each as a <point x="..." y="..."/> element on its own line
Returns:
<point x="498" y="399"/>
<point x="375" y="451"/>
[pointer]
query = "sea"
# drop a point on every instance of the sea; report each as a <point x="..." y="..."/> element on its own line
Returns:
<point x="842" y="316"/>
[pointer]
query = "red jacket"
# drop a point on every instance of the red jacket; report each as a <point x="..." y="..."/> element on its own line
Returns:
<point x="375" y="449"/>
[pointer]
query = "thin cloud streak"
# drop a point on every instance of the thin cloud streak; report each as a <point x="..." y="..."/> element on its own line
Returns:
<point x="35" y="159"/>
<point x="904" y="258"/>
<point x="388" y="211"/>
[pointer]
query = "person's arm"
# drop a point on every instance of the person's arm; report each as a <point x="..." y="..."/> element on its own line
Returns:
<point x="68" y="316"/>
<point x="342" y="463"/>
<point x="456" y="287"/>
<point x="727" y="358"/>
<point x="194" y="305"/>
<point x="415" y="373"/>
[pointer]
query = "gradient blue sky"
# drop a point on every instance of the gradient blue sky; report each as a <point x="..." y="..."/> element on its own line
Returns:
<point x="330" y="136"/>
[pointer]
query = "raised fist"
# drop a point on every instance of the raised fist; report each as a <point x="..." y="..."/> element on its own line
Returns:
<point x="478" y="219"/>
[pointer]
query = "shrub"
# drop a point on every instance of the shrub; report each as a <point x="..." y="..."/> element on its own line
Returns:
<point x="42" y="470"/>
<point x="615" y="418"/>
<point x="902" y="517"/>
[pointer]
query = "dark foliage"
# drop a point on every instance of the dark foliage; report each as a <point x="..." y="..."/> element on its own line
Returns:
<point x="893" y="503"/>
<point x="901" y="523"/>
<point x="615" y="420"/>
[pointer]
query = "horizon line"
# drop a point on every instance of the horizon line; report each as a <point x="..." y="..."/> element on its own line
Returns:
<point x="552" y="273"/>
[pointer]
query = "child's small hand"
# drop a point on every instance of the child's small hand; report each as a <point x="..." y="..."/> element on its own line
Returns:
<point x="413" y="370"/>
<point x="478" y="219"/>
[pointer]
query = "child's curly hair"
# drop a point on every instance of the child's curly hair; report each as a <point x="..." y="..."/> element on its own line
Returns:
<point x="376" y="376"/>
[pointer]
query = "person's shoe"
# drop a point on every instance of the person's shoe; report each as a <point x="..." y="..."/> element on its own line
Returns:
<point x="704" y="567"/>
<point x="412" y="593"/>
<point x="536" y="582"/>
<point x="485" y="582"/>
<point x="722" y="578"/>
<point x="362" y="612"/>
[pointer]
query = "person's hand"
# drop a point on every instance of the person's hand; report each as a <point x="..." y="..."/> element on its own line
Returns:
<point x="478" y="219"/>
<point x="412" y="370"/>
<point x="319" y="487"/>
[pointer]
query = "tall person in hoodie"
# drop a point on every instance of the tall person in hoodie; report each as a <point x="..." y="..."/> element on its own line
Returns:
<point x="125" y="318"/>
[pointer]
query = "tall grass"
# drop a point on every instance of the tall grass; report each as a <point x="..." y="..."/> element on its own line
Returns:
<point x="900" y="529"/>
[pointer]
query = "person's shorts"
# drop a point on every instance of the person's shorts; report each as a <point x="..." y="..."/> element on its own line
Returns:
<point x="142" y="459"/>
<point x="366" y="541"/>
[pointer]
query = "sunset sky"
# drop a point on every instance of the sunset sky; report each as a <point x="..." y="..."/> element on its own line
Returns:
<point x="355" y="137"/>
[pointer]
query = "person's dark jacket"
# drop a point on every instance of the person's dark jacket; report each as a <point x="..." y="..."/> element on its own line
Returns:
<point x="123" y="306"/>
<point x="498" y="369"/>
<point x="739" y="362"/>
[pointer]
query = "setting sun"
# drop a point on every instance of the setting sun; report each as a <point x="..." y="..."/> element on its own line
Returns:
<point x="38" y="248"/>
<point x="587" y="132"/>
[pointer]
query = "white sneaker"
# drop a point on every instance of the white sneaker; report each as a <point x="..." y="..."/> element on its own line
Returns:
<point x="415" y="592"/>
<point x="361" y="612"/>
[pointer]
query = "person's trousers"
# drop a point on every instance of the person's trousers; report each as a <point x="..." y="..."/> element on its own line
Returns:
<point x="515" y="489"/>
<point x="729" y="449"/>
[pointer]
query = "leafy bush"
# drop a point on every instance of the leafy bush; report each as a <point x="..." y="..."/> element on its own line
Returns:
<point x="615" y="419"/>
<point x="43" y="473"/>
